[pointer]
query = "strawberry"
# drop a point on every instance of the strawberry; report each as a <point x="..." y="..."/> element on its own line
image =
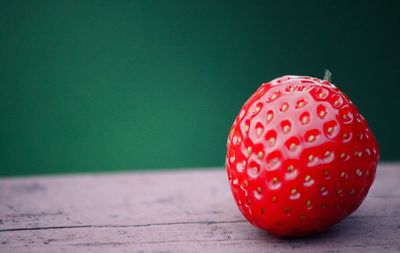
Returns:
<point x="300" y="157"/>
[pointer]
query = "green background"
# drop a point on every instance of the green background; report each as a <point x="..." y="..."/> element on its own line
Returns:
<point x="129" y="85"/>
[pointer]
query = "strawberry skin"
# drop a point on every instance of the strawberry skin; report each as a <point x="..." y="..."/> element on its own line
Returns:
<point x="300" y="156"/>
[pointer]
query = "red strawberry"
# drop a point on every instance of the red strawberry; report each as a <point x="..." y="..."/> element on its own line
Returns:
<point x="300" y="156"/>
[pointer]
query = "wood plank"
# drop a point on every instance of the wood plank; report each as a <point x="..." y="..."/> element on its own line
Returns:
<point x="172" y="211"/>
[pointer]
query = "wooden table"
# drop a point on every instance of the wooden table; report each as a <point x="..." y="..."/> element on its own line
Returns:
<point x="172" y="211"/>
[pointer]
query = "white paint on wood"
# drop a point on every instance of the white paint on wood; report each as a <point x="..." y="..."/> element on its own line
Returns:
<point x="175" y="211"/>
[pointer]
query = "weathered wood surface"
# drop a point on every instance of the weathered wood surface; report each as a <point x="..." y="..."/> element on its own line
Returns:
<point x="175" y="211"/>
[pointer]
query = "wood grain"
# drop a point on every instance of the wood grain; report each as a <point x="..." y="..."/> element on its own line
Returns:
<point x="174" y="211"/>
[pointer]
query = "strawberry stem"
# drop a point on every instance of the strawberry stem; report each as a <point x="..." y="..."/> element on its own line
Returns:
<point x="328" y="75"/>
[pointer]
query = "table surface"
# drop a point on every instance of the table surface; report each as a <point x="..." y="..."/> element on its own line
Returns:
<point x="173" y="211"/>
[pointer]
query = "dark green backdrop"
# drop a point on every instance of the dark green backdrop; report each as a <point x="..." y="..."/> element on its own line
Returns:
<point x="116" y="85"/>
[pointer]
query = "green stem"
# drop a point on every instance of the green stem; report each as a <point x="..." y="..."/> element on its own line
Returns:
<point x="328" y="75"/>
